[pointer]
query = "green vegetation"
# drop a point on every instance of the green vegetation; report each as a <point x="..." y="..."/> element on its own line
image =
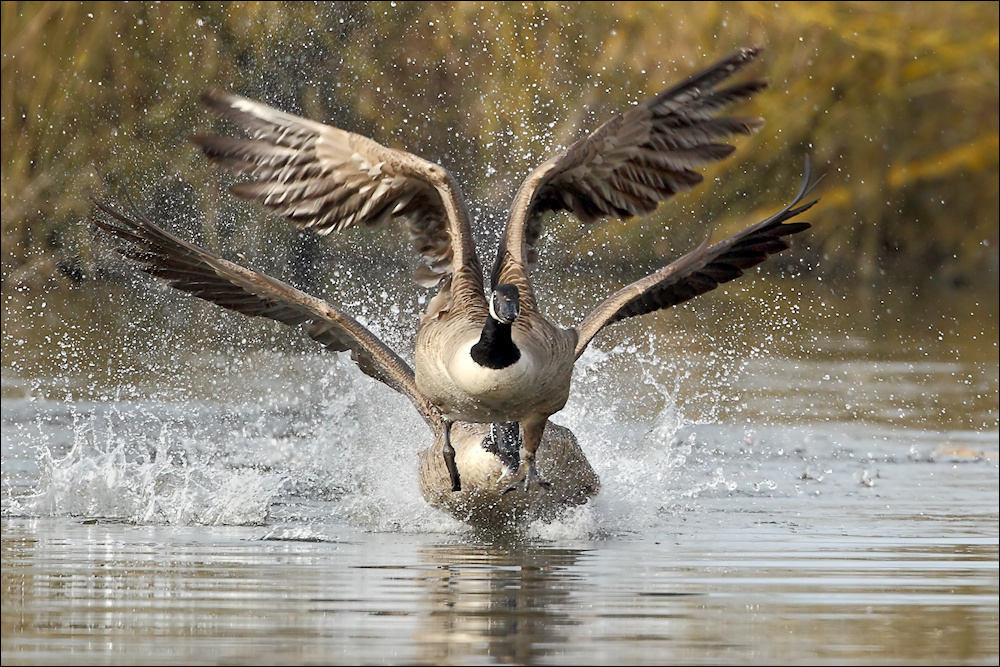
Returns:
<point x="896" y="101"/>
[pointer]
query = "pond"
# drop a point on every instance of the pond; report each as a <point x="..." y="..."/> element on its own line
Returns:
<point x="790" y="474"/>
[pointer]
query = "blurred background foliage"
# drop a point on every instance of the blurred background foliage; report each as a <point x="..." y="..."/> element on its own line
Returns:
<point x="897" y="102"/>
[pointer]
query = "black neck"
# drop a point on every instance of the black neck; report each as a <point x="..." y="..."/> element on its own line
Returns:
<point x="495" y="348"/>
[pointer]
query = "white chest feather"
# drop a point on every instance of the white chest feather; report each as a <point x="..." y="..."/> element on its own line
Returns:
<point x="493" y="383"/>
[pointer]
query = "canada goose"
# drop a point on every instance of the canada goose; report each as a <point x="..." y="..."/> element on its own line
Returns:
<point x="489" y="455"/>
<point x="489" y="460"/>
<point x="500" y="360"/>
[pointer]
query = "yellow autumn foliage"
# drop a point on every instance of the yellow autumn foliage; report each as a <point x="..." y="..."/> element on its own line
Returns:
<point x="896" y="101"/>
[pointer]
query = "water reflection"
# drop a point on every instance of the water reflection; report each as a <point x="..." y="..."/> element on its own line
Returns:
<point x="702" y="591"/>
<point x="510" y="603"/>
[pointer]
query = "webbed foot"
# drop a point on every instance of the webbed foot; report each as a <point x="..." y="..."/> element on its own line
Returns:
<point x="527" y="476"/>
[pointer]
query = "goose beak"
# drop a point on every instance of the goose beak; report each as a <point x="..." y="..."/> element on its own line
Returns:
<point x="505" y="304"/>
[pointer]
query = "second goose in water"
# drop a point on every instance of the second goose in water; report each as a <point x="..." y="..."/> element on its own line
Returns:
<point x="489" y="454"/>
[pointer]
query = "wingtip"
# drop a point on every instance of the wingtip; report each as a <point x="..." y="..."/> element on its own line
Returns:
<point x="754" y="124"/>
<point x="744" y="55"/>
<point x="211" y="96"/>
<point x="218" y="100"/>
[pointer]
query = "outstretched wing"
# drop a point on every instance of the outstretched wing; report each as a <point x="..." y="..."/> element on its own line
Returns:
<point x="632" y="162"/>
<point x="701" y="270"/>
<point x="195" y="270"/>
<point x="326" y="179"/>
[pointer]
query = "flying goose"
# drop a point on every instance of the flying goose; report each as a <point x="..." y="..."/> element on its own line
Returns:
<point x="489" y="454"/>
<point x="499" y="359"/>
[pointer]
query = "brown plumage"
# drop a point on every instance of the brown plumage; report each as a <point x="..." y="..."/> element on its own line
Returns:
<point x="471" y="365"/>
<point x="489" y="460"/>
<point x="482" y="500"/>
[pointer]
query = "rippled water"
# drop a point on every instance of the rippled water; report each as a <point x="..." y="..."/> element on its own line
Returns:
<point x="811" y="489"/>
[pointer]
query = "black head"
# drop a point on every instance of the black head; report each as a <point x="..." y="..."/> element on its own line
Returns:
<point x="505" y="303"/>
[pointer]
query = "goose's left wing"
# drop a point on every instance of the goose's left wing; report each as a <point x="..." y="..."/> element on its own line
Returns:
<point x="197" y="271"/>
<point x="701" y="270"/>
<point x="632" y="162"/>
<point x="327" y="179"/>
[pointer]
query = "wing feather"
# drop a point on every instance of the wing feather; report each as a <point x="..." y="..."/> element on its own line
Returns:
<point x="632" y="162"/>
<point x="327" y="179"/>
<point x="191" y="269"/>
<point x="701" y="270"/>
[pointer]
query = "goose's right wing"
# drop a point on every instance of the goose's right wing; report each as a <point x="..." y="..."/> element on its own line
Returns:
<point x="327" y="179"/>
<point x="195" y="270"/>
<point x="634" y="161"/>
<point x="701" y="270"/>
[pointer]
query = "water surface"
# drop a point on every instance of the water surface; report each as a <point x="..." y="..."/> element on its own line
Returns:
<point x="781" y="484"/>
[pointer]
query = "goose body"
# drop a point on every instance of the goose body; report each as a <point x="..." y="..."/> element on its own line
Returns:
<point x="472" y="363"/>
<point x="465" y="389"/>
<point x="488" y="454"/>
<point x="486" y="475"/>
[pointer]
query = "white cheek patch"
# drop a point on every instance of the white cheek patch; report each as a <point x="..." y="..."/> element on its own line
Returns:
<point x="493" y="312"/>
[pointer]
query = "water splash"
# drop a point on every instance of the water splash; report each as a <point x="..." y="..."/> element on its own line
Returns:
<point x="333" y="451"/>
<point x="111" y="480"/>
